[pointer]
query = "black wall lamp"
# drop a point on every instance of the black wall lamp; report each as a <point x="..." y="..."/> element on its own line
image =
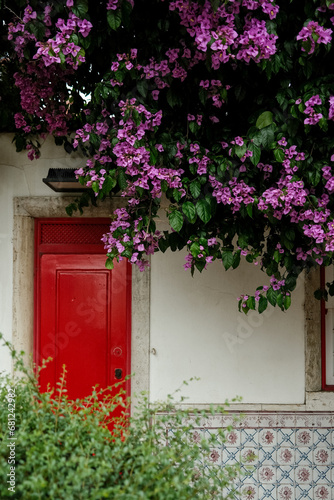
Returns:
<point x="63" y="180"/>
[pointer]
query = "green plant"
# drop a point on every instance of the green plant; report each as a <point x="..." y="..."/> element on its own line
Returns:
<point x="64" y="449"/>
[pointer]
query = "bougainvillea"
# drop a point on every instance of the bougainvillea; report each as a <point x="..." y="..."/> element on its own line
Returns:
<point x="219" y="111"/>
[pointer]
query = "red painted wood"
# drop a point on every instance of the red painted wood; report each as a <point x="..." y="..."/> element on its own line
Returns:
<point x="83" y="313"/>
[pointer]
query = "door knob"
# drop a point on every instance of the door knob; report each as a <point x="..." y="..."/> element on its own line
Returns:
<point x="118" y="373"/>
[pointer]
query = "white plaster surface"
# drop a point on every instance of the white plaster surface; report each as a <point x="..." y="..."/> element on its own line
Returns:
<point x="21" y="177"/>
<point x="197" y="331"/>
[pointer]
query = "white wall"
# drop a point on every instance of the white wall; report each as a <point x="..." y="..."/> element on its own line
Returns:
<point x="197" y="331"/>
<point x="21" y="177"/>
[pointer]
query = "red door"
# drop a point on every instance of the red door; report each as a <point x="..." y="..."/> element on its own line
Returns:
<point x="82" y="309"/>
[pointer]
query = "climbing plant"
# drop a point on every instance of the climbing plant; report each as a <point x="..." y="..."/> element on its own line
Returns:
<point x="223" y="109"/>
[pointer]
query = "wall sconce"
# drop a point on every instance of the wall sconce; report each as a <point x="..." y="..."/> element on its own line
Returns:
<point x="62" y="180"/>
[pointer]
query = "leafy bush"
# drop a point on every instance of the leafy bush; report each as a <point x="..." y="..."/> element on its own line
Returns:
<point x="64" y="449"/>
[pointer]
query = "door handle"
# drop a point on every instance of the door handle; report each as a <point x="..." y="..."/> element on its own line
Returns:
<point x="118" y="373"/>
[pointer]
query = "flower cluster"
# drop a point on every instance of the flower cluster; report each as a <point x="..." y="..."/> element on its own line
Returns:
<point x="313" y="117"/>
<point x="313" y="34"/>
<point x="206" y="26"/>
<point x="129" y="164"/>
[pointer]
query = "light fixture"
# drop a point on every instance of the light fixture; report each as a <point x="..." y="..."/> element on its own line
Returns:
<point x="63" y="180"/>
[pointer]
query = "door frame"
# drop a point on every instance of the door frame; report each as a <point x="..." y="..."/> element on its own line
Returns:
<point x="26" y="210"/>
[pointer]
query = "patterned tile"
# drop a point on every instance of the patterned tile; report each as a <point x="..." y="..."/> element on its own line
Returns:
<point x="285" y="475"/>
<point x="267" y="456"/>
<point x="322" y="455"/>
<point x="303" y="474"/>
<point x="249" y="437"/>
<point x="267" y="492"/>
<point x="249" y="455"/>
<point x="285" y="492"/>
<point x="322" y="475"/>
<point x="322" y="437"/>
<point x="304" y="437"/>
<point x="249" y="492"/>
<point x="304" y="492"/>
<point x="231" y="455"/>
<point x="285" y="437"/>
<point x="304" y="456"/>
<point x="283" y="455"/>
<point x="267" y="437"/>
<point x="323" y="492"/>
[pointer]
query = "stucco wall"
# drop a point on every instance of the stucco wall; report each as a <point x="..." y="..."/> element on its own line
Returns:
<point x="21" y="177"/>
<point x="197" y="331"/>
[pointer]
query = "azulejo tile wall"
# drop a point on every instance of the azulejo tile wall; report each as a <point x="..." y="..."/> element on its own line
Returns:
<point x="283" y="455"/>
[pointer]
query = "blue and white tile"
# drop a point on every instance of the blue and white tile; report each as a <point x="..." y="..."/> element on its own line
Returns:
<point x="285" y="475"/>
<point x="249" y="455"/>
<point x="303" y="474"/>
<point x="268" y="437"/>
<point x="323" y="492"/>
<point x="249" y="437"/>
<point x="285" y="437"/>
<point x="304" y="492"/>
<point x="230" y="455"/>
<point x="303" y="456"/>
<point x="304" y="437"/>
<point x="285" y="455"/>
<point x="285" y="492"/>
<point x="267" y="474"/>
<point x="322" y="475"/>
<point x="249" y="492"/>
<point x="322" y="455"/>
<point x="322" y="437"/>
<point x="267" y="456"/>
<point x="267" y="492"/>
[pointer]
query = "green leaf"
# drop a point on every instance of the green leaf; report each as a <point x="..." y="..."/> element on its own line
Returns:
<point x="240" y="150"/>
<point x="195" y="188"/>
<point x="291" y="282"/>
<point x="80" y="8"/>
<point x="142" y="87"/>
<point x="256" y="153"/>
<point x="279" y="155"/>
<point x="163" y="244"/>
<point x="177" y="195"/>
<point x="203" y="210"/>
<point x="249" y="209"/>
<point x="227" y="258"/>
<point x="243" y="240"/>
<point x="110" y="263"/>
<point x="264" y="120"/>
<point x="280" y="298"/>
<point x="236" y="259"/>
<point x="114" y="19"/>
<point x="172" y="99"/>
<point x="122" y="179"/>
<point x="272" y="296"/>
<point x="189" y="211"/>
<point x="176" y="220"/>
<point x="263" y="304"/>
<point x="287" y="301"/>
<point x="251" y="303"/>
<point x="108" y="185"/>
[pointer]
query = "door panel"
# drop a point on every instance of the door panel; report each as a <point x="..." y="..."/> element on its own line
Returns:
<point x="84" y="320"/>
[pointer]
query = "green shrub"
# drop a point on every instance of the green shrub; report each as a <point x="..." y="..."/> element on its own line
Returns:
<point x="64" y="450"/>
